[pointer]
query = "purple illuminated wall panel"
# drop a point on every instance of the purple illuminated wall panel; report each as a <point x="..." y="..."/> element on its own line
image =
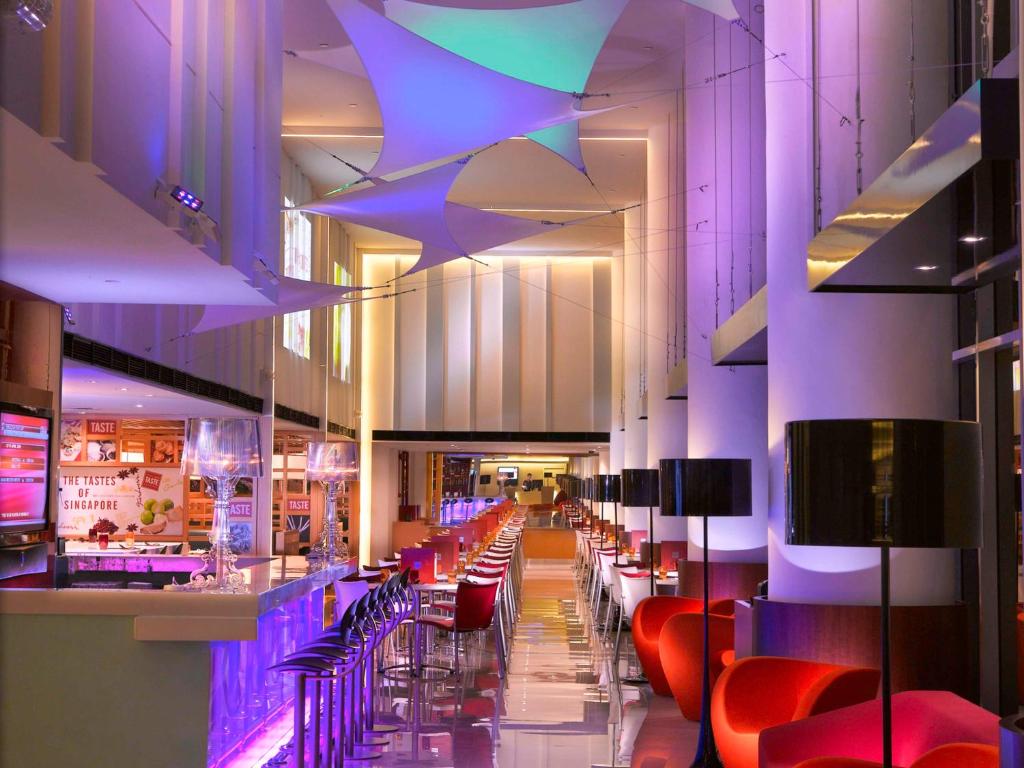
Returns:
<point x="245" y="694"/>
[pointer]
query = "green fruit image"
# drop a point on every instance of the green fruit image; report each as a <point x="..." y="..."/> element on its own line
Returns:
<point x="149" y="505"/>
<point x="147" y="517"/>
<point x="168" y="504"/>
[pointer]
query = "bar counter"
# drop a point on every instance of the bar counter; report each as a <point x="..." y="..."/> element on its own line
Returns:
<point x="183" y="676"/>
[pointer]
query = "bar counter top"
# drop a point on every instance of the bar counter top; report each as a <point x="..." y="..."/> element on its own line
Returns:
<point x="181" y="615"/>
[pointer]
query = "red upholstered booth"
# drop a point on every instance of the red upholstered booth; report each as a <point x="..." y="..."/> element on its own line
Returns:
<point x="922" y="721"/>
<point x="946" y="756"/>
<point x="759" y="692"/>
<point x="681" y="648"/>
<point x="649" y="618"/>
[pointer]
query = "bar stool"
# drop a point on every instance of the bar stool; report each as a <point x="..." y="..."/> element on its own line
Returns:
<point x="305" y="667"/>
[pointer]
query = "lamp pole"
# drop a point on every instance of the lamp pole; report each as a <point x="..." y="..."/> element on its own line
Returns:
<point x="650" y="544"/>
<point x="707" y="752"/>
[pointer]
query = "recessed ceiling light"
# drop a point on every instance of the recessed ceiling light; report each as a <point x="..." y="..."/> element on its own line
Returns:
<point x="648" y="47"/>
<point x="92" y="381"/>
<point x="124" y="389"/>
<point x="138" y="405"/>
<point x="111" y="281"/>
<point x="926" y="267"/>
<point x="149" y="395"/>
<point x="323" y="45"/>
<point x="972" y="239"/>
<point x="353" y="105"/>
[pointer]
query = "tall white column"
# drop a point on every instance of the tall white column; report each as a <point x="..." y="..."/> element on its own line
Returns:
<point x="635" y="436"/>
<point x="846" y="355"/>
<point x="724" y="208"/>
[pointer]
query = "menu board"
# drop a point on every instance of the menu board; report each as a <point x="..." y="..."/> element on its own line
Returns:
<point x="24" y="453"/>
<point x="111" y="499"/>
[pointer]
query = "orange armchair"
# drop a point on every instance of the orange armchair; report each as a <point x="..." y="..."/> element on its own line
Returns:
<point x="681" y="649"/>
<point x="763" y="691"/>
<point x="649" y="619"/>
<point x="946" y="756"/>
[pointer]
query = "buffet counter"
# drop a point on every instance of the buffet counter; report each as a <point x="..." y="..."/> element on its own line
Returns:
<point x="183" y="676"/>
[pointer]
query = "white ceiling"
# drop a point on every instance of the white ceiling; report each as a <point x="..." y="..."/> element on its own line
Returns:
<point x="70" y="237"/>
<point x="89" y="390"/>
<point x="326" y="92"/>
<point x="505" y="449"/>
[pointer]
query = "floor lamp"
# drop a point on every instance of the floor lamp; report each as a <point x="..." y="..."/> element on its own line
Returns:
<point x="640" y="489"/>
<point x="705" y="488"/>
<point x="608" y="488"/>
<point x="883" y="483"/>
<point x="588" y="494"/>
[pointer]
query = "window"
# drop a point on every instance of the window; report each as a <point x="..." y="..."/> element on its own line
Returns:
<point x="298" y="263"/>
<point x="341" y="350"/>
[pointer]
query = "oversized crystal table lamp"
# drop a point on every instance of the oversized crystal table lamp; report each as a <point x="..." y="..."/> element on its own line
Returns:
<point x="332" y="464"/>
<point x="883" y="483"/>
<point x="221" y="451"/>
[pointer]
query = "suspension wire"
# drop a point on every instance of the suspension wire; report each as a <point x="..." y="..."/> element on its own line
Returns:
<point x="860" y="120"/>
<point x="912" y="95"/>
<point x="732" y="200"/>
<point x="714" y="159"/>
<point x="750" y="169"/>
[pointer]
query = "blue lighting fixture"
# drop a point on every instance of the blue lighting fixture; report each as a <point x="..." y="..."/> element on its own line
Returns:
<point x="34" y="14"/>
<point x="186" y="198"/>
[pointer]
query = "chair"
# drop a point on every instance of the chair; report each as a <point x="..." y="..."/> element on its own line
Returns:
<point x="947" y="756"/>
<point x="633" y="588"/>
<point x="681" y="649"/>
<point x="347" y="592"/>
<point x="649" y="618"/>
<point x="923" y="722"/>
<point x="758" y="692"/>
<point x="475" y="610"/>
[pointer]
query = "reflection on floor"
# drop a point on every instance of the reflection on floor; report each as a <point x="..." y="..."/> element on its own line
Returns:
<point x="561" y="705"/>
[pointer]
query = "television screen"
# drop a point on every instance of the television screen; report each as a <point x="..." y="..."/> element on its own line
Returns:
<point x="508" y="473"/>
<point x="24" y="468"/>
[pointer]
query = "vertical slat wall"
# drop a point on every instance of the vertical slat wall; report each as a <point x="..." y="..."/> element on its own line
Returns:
<point x="485" y="348"/>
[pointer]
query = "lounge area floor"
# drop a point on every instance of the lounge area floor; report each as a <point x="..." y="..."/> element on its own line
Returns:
<point x="560" y="706"/>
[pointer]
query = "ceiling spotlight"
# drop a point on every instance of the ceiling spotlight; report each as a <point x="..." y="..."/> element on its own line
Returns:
<point x="186" y="198"/>
<point x="971" y="239"/>
<point x="926" y="267"/>
<point x="353" y="105"/>
<point x="138" y="405"/>
<point x="124" y="389"/>
<point x="34" y="14"/>
<point x="323" y="45"/>
<point x="92" y="381"/>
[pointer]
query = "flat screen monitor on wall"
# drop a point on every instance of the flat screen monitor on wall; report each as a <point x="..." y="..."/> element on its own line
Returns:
<point x="25" y="435"/>
<point x="508" y="473"/>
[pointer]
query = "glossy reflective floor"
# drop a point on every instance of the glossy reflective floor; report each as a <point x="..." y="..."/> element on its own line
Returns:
<point x="560" y="706"/>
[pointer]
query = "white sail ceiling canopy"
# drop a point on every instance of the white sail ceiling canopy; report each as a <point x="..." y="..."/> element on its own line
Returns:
<point x="292" y="296"/>
<point x="415" y="206"/>
<point x="435" y="103"/>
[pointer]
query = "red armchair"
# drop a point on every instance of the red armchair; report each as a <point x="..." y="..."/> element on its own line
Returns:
<point x="649" y="618"/>
<point x="681" y="649"/>
<point x="946" y="756"/>
<point x="923" y="721"/>
<point x="759" y="692"/>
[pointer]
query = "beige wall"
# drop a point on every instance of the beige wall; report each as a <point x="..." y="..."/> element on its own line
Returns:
<point x="521" y="344"/>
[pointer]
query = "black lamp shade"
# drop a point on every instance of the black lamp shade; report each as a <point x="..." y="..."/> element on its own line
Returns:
<point x="639" y="487"/>
<point x="705" y="487"/>
<point x="607" y="488"/>
<point x="869" y="482"/>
